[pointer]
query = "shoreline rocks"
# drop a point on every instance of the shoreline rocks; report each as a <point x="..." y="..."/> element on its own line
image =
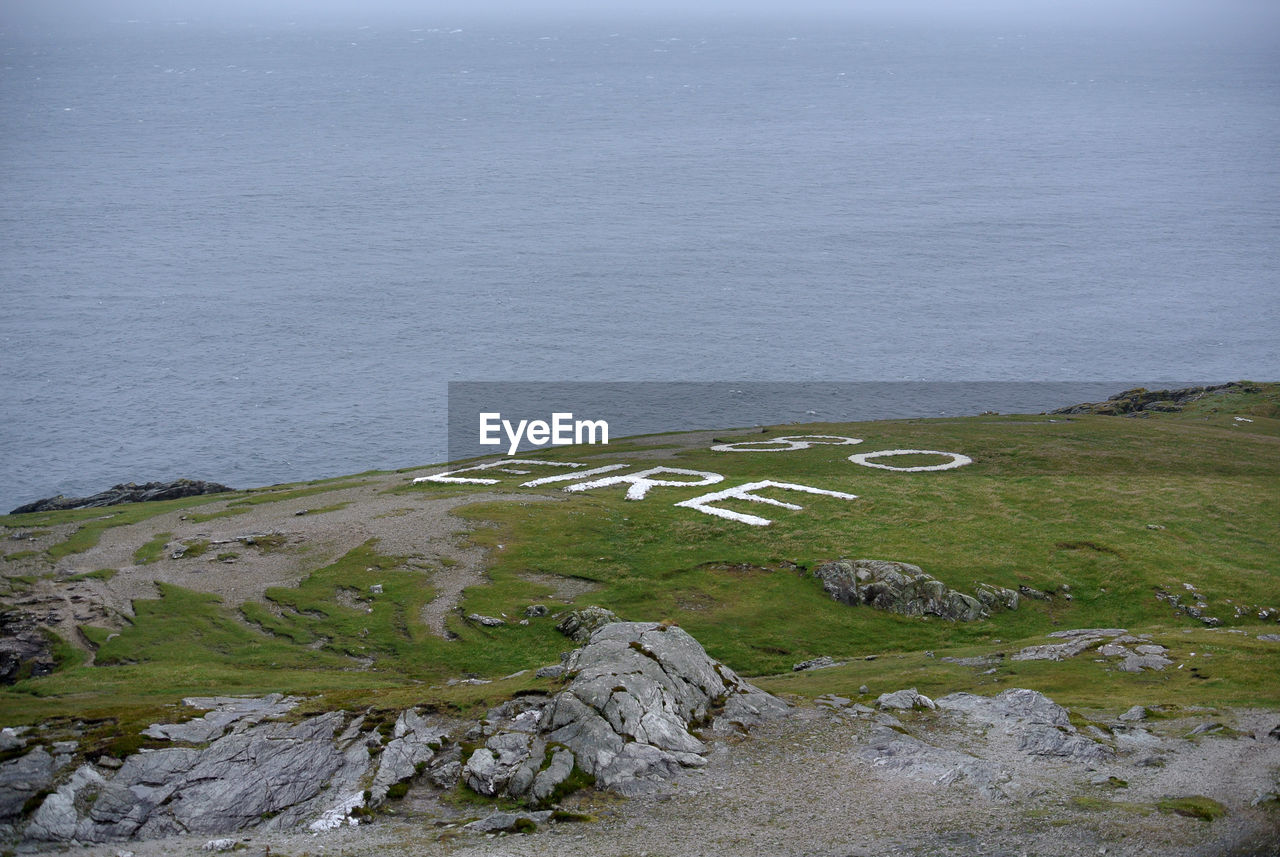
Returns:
<point x="126" y="493"/>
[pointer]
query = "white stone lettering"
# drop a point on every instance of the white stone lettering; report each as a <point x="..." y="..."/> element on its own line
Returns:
<point x="790" y="443"/>
<point x="502" y="466"/>
<point x="957" y="460"/>
<point x="565" y="477"/>
<point x="743" y="492"/>
<point x="641" y="482"/>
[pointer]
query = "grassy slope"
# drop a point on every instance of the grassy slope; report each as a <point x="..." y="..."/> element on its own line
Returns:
<point x="1046" y="502"/>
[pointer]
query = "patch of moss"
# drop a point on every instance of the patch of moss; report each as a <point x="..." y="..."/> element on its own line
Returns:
<point x="99" y="574"/>
<point x="1194" y="806"/>
<point x="152" y="550"/>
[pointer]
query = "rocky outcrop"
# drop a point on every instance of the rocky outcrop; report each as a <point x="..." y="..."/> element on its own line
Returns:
<point x="239" y="767"/>
<point x="126" y="493"/>
<point x="1139" y="400"/>
<point x="1107" y="642"/>
<point x="903" y="588"/>
<point x="274" y="774"/>
<point x="624" y="721"/>
<point x="1031" y="722"/>
<point x="26" y="648"/>
<point x="1040" y="725"/>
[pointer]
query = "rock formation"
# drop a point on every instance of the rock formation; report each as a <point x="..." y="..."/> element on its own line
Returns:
<point x="1139" y="400"/>
<point x="126" y="493"/>
<point x="624" y="720"/>
<point x="903" y="588"/>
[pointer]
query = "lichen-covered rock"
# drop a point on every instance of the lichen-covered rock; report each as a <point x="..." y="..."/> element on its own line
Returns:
<point x="897" y="587"/>
<point x="580" y="624"/>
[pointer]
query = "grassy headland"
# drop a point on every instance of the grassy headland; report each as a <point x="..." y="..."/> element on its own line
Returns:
<point x="1101" y="511"/>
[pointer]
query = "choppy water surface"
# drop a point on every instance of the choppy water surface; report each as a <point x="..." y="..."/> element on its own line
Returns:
<point x="254" y="254"/>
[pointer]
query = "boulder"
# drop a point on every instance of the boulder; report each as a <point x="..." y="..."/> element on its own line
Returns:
<point x="903" y="700"/>
<point x="897" y="587"/>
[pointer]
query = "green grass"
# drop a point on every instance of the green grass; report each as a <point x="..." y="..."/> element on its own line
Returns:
<point x="1045" y="503"/>
<point x="99" y="574"/>
<point x="1203" y="808"/>
<point x="153" y="550"/>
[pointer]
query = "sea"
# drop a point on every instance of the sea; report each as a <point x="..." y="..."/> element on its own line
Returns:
<point x="257" y="251"/>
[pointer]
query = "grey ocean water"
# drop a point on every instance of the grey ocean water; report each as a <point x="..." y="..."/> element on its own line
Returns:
<point x="259" y="253"/>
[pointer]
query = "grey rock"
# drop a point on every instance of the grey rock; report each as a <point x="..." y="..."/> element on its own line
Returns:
<point x="534" y="611"/>
<point x="1134" y="714"/>
<point x="830" y="700"/>
<point x="273" y="774"/>
<point x="814" y="664"/>
<point x="1088" y="632"/>
<point x="1113" y="650"/>
<point x="226" y="712"/>
<point x="580" y="624"/>
<point x="1056" y="651"/>
<point x="1269" y="638"/>
<point x="994" y="597"/>
<point x="11" y="739"/>
<point x="414" y="740"/>
<point x="551" y="671"/>
<point x="486" y="621"/>
<point x="1134" y="740"/>
<point x="904" y="700"/>
<point x="446" y="775"/>
<point x="983" y="661"/>
<point x="897" y="587"/>
<point x="1137" y="663"/>
<point x="863" y="689"/>
<point x="22" y="778"/>
<point x="126" y="493"/>
<point x="1042" y="727"/>
<point x="625" y="718"/>
<point x="219" y="845"/>
<point x="505" y="822"/>
<point x="894" y="753"/>
<point x="26" y="648"/>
